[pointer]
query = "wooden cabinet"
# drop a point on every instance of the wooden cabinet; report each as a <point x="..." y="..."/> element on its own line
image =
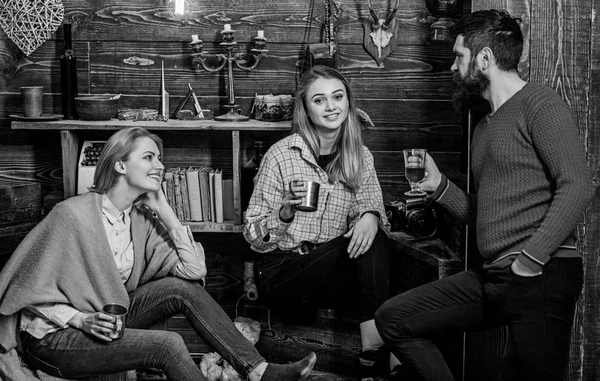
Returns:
<point x="73" y="133"/>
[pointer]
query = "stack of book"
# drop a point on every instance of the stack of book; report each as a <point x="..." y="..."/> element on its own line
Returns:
<point x="199" y="194"/>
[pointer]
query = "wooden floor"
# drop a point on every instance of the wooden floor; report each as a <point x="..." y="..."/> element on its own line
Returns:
<point x="322" y="376"/>
<point x="314" y="376"/>
<point x="335" y="341"/>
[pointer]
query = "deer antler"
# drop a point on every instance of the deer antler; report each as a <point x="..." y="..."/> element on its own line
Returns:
<point x="391" y="15"/>
<point x="373" y="13"/>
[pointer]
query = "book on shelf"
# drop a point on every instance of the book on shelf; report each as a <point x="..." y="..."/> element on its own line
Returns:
<point x="199" y="194"/>
<point x="218" y="195"/>
<point x="194" y="197"/>
<point x="168" y="187"/>
<point x="184" y="195"/>
<point x="177" y="194"/>
<point x="205" y="192"/>
<point x="211" y="191"/>
<point x="228" y="199"/>
<point x="163" y="186"/>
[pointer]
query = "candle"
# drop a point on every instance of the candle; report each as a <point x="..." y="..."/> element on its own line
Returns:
<point x="179" y="7"/>
<point x="261" y="34"/>
<point x="195" y="38"/>
<point x="227" y="27"/>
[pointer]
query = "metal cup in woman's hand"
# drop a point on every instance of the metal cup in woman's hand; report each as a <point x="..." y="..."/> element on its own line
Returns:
<point x="118" y="313"/>
<point x="310" y="201"/>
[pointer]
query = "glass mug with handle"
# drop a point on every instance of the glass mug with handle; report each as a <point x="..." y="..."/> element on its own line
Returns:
<point x="414" y="167"/>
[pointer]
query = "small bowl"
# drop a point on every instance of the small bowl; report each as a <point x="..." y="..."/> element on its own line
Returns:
<point x="96" y="107"/>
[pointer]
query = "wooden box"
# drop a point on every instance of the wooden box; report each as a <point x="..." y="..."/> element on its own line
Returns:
<point x="422" y="261"/>
<point x="20" y="211"/>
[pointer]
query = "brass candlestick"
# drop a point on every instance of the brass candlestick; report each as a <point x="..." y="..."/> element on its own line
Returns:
<point x="200" y="58"/>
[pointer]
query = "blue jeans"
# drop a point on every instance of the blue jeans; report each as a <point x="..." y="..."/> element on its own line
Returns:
<point x="538" y="311"/>
<point x="298" y="283"/>
<point x="72" y="353"/>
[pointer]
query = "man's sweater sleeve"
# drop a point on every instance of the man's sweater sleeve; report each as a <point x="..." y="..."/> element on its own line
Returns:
<point x="459" y="203"/>
<point x="555" y="138"/>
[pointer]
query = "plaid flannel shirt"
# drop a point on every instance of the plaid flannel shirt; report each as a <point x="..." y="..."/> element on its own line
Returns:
<point x="339" y="207"/>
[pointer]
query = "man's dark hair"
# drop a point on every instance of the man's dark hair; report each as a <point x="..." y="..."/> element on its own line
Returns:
<point x="495" y="29"/>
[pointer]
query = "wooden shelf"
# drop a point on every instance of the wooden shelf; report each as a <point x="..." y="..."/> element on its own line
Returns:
<point x="170" y="125"/>
<point x="72" y="131"/>
<point x="213" y="227"/>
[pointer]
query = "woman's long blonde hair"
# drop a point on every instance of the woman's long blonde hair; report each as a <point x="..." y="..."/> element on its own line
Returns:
<point x="118" y="148"/>
<point x="347" y="163"/>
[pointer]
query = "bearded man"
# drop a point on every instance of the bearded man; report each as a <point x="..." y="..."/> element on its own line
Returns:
<point x="532" y="187"/>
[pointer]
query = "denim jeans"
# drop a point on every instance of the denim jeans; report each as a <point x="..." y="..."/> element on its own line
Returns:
<point x="538" y="311"/>
<point x="72" y="353"/>
<point x="303" y="282"/>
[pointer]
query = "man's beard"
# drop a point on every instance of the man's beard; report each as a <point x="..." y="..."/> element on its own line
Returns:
<point x="469" y="90"/>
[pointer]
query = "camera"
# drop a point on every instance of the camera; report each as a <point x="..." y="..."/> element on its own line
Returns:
<point x="412" y="215"/>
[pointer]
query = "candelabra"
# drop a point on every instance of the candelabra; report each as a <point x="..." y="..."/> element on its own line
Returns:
<point x="200" y="58"/>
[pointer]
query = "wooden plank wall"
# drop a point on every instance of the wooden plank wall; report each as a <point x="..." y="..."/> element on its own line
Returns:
<point x="120" y="46"/>
<point x="588" y="325"/>
<point x="562" y="52"/>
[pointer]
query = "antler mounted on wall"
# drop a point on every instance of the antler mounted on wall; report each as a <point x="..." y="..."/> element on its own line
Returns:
<point x="381" y="33"/>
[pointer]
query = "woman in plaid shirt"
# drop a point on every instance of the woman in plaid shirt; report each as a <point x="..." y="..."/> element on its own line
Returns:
<point x="341" y="249"/>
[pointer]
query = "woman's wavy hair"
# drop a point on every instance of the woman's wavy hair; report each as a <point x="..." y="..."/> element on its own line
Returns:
<point x="347" y="163"/>
<point x="118" y="148"/>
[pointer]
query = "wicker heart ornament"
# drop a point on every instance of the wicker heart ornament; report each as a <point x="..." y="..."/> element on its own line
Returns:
<point x="30" y="23"/>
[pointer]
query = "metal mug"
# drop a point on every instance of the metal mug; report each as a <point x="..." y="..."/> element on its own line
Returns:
<point x="32" y="98"/>
<point x="310" y="202"/>
<point x="118" y="312"/>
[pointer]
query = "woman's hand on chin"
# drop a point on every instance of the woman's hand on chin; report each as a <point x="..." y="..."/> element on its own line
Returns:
<point x="155" y="201"/>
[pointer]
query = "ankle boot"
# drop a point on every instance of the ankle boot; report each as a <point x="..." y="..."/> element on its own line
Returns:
<point x="373" y="363"/>
<point x="290" y="372"/>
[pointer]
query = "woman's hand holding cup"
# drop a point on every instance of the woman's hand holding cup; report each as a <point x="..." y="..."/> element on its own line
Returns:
<point x="293" y="198"/>
<point x="303" y="196"/>
<point x="97" y="324"/>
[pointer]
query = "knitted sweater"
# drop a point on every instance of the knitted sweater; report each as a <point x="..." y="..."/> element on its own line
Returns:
<point x="67" y="259"/>
<point x="531" y="177"/>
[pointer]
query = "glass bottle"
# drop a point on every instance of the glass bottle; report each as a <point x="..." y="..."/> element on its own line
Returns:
<point x="68" y="76"/>
<point x="258" y="154"/>
<point x="249" y="171"/>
